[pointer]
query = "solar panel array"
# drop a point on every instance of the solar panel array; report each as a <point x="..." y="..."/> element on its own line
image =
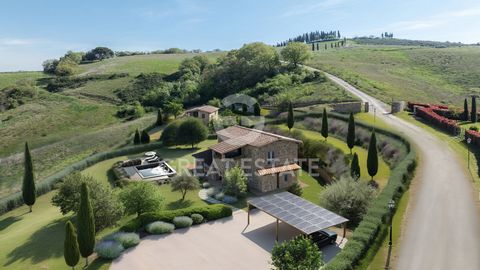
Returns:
<point x="298" y="212"/>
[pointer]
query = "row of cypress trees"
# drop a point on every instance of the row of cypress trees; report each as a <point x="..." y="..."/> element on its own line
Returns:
<point x="473" y="113"/>
<point x="372" y="157"/>
<point x="80" y="241"/>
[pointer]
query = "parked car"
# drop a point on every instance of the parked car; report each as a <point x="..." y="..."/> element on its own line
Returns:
<point x="323" y="238"/>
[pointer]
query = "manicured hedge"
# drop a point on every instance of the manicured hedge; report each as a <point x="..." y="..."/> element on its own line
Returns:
<point x="474" y="135"/>
<point x="437" y="115"/>
<point x="15" y="200"/>
<point x="210" y="212"/>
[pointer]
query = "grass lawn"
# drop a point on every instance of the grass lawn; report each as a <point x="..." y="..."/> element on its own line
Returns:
<point x="10" y="78"/>
<point x="312" y="189"/>
<point x="35" y="240"/>
<point x="383" y="169"/>
<point x="406" y="72"/>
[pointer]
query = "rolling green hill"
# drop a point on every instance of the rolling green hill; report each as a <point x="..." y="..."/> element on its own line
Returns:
<point x="67" y="126"/>
<point x="406" y="73"/>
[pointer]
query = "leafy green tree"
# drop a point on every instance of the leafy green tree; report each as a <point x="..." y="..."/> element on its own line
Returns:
<point x="216" y="102"/>
<point x="372" y="158"/>
<point x="49" y="66"/>
<point x="173" y="108"/>
<point x="70" y="246"/>
<point x="159" y="118"/>
<point x="351" y="133"/>
<point x="347" y="198"/>
<point x="169" y="135"/>
<point x="256" y="109"/>
<point x="99" y="53"/>
<point x="324" y="130"/>
<point x="141" y="197"/>
<point x="85" y="224"/>
<point x="355" y="167"/>
<point x="192" y="131"/>
<point x="296" y="189"/>
<point x="28" y="187"/>
<point x="473" y="117"/>
<point x="235" y="182"/>
<point x="325" y="46"/>
<point x="296" y="53"/>
<point x="298" y="253"/>
<point x="136" y="138"/>
<point x="144" y="137"/>
<point x="465" y="110"/>
<point x="184" y="183"/>
<point x="107" y="208"/>
<point x="75" y="57"/>
<point x="290" y="119"/>
<point x="66" y="67"/>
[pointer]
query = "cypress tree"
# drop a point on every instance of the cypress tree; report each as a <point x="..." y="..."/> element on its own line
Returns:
<point x="473" y="117"/>
<point x="372" y="158"/>
<point x="318" y="47"/>
<point x="465" y="110"/>
<point x="136" y="138"/>
<point x="313" y="46"/>
<point x="70" y="246"/>
<point x="325" y="46"/>
<point x="159" y="118"/>
<point x="144" y="138"/>
<point x="351" y="133"/>
<point x="85" y="224"/>
<point x="290" y="120"/>
<point x="28" y="187"/>
<point x="355" y="167"/>
<point x="256" y="109"/>
<point x="324" y="130"/>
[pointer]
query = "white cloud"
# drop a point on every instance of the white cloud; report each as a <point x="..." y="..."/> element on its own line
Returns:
<point x="15" y="41"/>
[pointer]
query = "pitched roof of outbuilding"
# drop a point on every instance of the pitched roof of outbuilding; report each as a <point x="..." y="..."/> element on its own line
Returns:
<point x="204" y="108"/>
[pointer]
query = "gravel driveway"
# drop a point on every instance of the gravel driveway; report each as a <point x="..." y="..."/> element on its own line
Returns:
<point x="443" y="228"/>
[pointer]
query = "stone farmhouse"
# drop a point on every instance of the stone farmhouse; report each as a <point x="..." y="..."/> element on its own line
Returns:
<point x="269" y="160"/>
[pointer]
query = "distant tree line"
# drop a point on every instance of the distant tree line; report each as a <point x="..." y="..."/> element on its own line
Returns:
<point x="313" y="36"/>
<point x="387" y="35"/>
<point x="372" y="40"/>
<point x="167" y="51"/>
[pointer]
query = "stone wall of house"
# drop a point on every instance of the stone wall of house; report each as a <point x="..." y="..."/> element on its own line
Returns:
<point x="398" y="106"/>
<point x="284" y="152"/>
<point x="348" y="107"/>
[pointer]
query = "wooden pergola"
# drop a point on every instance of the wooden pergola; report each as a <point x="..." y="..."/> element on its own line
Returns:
<point x="297" y="212"/>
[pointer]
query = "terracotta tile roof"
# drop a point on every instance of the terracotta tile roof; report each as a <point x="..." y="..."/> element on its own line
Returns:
<point x="279" y="169"/>
<point x="253" y="137"/>
<point x="227" y="146"/>
<point x="204" y="108"/>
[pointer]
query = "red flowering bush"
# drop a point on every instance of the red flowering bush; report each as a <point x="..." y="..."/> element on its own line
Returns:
<point x="436" y="115"/>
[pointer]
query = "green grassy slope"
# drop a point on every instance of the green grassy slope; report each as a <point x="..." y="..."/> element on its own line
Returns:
<point x="406" y="73"/>
<point x="134" y="65"/>
<point x="10" y="78"/>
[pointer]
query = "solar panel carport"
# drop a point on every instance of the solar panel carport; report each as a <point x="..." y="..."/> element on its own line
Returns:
<point x="297" y="212"/>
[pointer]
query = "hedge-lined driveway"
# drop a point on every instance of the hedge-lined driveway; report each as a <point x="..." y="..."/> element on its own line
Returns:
<point x="223" y="244"/>
<point x="443" y="225"/>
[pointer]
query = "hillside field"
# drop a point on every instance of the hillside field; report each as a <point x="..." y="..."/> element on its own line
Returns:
<point x="425" y="74"/>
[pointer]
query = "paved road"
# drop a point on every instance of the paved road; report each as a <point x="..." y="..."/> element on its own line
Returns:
<point x="443" y="227"/>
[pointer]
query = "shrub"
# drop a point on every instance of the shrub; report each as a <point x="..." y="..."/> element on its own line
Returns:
<point x="192" y="131"/>
<point x="131" y="226"/>
<point x="299" y="253"/>
<point x="206" y="185"/>
<point x="348" y="198"/>
<point x="197" y="218"/>
<point x="211" y="192"/>
<point x="235" y="182"/>
<point x="109" y="249"/>
<point x="127" y="240"/>
<point x="219" y="196"/>
<point x="229" y="199"/>
<point x="182" y="222"/>
<point x="141" y="197"/>
<point x="211" y="212"/>
<point x="296" y="189"/>
<point x="169" y="134"/>
<point x="159" y="227"/>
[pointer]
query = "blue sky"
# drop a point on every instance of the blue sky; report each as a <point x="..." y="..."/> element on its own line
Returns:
<point x="32" y="31"/>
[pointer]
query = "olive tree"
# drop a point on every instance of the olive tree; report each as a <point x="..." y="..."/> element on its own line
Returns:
<point x="296" y="53"/>
<point x="184" y="183"/>
<point x="141" y="197"/>
<point x="298" y="253"/>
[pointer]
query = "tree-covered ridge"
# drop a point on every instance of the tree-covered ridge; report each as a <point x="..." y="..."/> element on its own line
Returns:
<point x="313" y="36"/>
